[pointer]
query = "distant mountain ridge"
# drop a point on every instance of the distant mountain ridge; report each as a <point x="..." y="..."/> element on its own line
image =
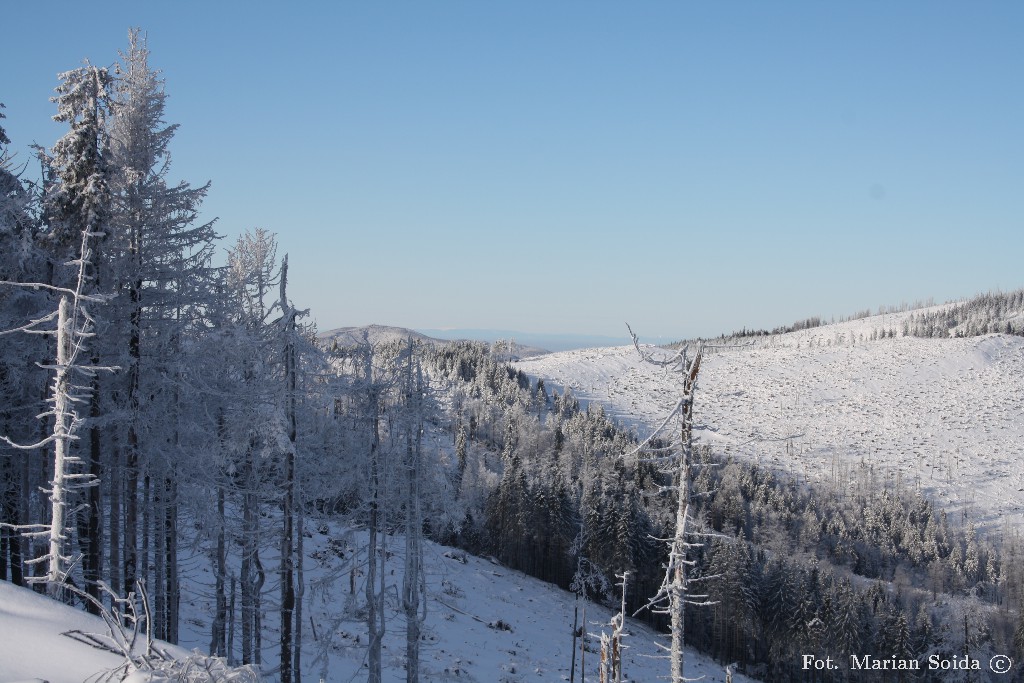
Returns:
<point x="387" y="334"/>
<point x="539" y="340"/>
<point x="375" y="334"/>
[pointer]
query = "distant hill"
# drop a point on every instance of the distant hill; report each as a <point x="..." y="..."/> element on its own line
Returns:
<point x="988" y="313"/>
<point x="375" y="334"/>
<point x="385" y="334"/>
<point x="550" y="342"/>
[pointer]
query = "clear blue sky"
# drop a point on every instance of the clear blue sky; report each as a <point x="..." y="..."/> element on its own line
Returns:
<point x="564" y="166"/>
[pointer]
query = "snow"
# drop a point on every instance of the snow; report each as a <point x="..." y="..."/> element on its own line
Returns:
<point x="463" y="641"/>
<point x="32" y="647"/>
<point x="467" y="598"/>
<point x="940" y="415"/>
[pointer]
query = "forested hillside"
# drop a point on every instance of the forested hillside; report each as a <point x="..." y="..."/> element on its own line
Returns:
<point x="862" y="564"/>
<point x="982" y="314"/>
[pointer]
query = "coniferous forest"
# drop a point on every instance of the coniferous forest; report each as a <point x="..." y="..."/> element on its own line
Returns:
<point x="163" y="402"/>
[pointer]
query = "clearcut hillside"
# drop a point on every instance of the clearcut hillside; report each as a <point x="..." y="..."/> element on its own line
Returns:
<point x="944" y="415"/>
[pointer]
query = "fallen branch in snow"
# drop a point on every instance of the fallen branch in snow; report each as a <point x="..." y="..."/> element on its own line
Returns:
<point x="94" y="640"/>
<point x="456" y="609"/>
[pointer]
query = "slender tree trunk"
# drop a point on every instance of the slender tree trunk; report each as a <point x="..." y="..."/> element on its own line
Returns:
<point x="257" y="596"/>
<point x="159" y="587"/>
<point x="372" y="616"/>
<point x="131" y="490"/>
<point x="169" y="523"/>
<point x="114" y="482"/>
<point x="38" y="479"/>
<point x="677" y="589"/>
<point x="618" y="623"/>
<point x="247" y="579"/>
<point x="231" y="624"/>
<point x="131" y="517"/>
<point x="146" y="526"/>
<point x="19" y="544"/>
<point x="413" y="595"/>
<point x="287" y="584"/>
<point x="171" y="567"/>
<point x="583" y="645"/>
<point x="375" y="547"/>
<point x="61" y="457"/>
<point x="678" y="586"/>
<point x="8" y="512"/>
<point x="218" y="644"/>
<point x="288" y="505"/>
<point x="575" y="631"/>
<point x="300" y="592"/>
<point x="92" y="562"/>
<point x="5" y="536"/>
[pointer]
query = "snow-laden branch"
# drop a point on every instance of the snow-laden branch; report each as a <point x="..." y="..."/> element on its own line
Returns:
<point x="648" y="357"/>
<point x="675" y="411"/>
<point x="60" y="290"/>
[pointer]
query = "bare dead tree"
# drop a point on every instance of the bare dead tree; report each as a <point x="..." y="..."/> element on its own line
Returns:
<point x="611" y="645"/>
<point x="414" y="599"/>
<point x="73" y="328"/>
<point x="376" y="552"/>
<point x="674" y="593"/>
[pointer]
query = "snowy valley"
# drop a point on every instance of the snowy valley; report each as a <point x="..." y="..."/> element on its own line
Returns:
<point x="282" y="505"/>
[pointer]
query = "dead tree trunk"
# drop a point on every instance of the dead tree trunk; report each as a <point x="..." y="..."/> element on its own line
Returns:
<point x="62" y="432"/>
<point x="413" y="593"/>
<point x="286" y="571"/>
<point x="375" y="552"/>
<point x="677" y="562"/>
<point x="673" y="595"/>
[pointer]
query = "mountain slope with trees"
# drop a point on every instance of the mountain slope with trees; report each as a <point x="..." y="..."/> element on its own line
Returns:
<point x="175" y="430"/>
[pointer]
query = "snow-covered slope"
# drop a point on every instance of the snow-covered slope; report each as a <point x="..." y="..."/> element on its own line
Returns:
<point x="32" y="646"/>
<point x="485" y="623"/>
<point x="944" y="415"/>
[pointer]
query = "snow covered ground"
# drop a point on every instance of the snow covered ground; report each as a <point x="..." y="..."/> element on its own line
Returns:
<point x="485" y="624"/>
<point x="943" y="415"/>
<point x="32" y="647"/>
<point x="463" y="641"/>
